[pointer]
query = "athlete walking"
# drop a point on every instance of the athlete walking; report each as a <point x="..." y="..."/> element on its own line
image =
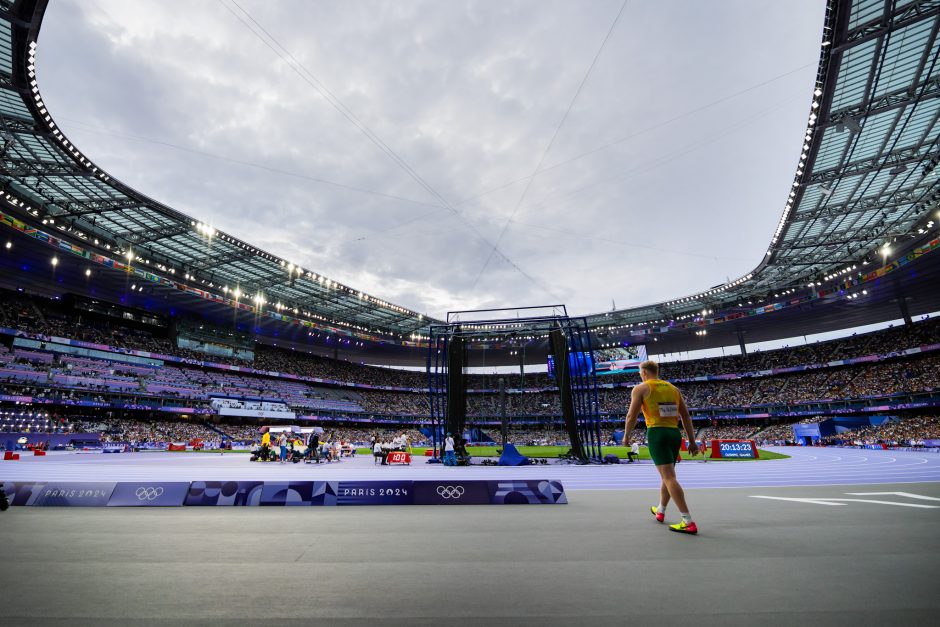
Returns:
<point x="663" y="406"/>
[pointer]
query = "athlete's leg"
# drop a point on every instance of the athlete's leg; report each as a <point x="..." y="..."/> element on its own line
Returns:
<point x="668" y="474"/>
<point x="663" y="494"/>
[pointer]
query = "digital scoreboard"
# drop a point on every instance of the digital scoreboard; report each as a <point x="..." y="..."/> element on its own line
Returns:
<point x="734" y="449"/>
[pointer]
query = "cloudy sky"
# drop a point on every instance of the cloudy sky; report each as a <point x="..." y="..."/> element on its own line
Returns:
<point x="452" y="155"/>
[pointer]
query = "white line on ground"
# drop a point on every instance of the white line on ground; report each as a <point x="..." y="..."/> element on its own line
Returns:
<point x="906" y="494"/>
<point x="841" y="501"/>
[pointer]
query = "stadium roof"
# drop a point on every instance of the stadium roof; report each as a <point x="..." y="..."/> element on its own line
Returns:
<point x="866" y="175"/>
<point x="63" y="188"/>
<point x="865" y="178"/>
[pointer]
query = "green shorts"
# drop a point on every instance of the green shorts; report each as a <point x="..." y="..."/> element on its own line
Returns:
<point x="664" y="444"/>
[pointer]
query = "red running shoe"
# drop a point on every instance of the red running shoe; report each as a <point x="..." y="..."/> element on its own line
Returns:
<point x="660" y="517"/>
<point x="683" y="527"/>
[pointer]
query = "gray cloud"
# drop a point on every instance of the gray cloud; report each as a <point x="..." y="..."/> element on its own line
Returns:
<point x="468" y="94"/>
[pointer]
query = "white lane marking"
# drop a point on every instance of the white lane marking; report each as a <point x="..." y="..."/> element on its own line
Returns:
<point x="892" y="503"/>
<point x="841" y="501"/>
<point x="907" y="494"/>
<point x="795" y="500"/>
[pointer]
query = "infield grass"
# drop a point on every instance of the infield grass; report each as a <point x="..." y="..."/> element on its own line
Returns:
<point x="552" y="451"/>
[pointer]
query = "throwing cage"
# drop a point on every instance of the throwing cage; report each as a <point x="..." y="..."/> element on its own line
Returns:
<point x="570" y="346"/>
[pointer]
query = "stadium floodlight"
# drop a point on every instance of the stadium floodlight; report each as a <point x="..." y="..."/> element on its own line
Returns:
<point x="8" y="245"/>
<point x="87" y="271"/>
<point x="55" y="261"/>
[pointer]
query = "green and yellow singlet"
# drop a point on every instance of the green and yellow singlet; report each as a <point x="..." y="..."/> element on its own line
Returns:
<point x="661" y="407"/>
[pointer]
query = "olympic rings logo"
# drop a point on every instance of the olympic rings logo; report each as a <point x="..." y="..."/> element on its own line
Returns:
<point x="450" y="491"/>
<point x="148" y="494"/>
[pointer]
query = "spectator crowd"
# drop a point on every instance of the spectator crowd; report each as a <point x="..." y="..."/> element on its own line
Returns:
<point x="57" y="380"/>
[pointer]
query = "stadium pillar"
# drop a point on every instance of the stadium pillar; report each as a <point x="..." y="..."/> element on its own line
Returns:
<point x="456" y="387"/>
<point x="741" y="343"/>
<point x="503" y="425"/>
<point x="902" y="305"/>
<point x="559" y="347"/>
<point x="522" y="366"/>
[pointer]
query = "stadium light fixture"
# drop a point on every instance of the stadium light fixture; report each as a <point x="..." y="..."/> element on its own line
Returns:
<point x="55" y="261"/>
<point x="87" y="272"/>
<point x="8" y="245"/>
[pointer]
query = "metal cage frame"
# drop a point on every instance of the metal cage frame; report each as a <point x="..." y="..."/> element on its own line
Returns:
<point x="475" y="324"/>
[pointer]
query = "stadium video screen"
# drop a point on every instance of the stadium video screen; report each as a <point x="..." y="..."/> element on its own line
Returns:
<point x="575" y="360"/>
<point x="620" y="359"/>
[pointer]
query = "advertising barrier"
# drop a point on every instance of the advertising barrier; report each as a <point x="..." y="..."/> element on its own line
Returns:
<point x="284" y="493"/>
<point x="148" y="494"/>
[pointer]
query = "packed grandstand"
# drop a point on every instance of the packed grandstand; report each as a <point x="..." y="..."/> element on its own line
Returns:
<point x="137" y="384"/>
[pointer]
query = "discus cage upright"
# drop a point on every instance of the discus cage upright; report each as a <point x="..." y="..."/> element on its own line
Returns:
<point x="569" y="345"/>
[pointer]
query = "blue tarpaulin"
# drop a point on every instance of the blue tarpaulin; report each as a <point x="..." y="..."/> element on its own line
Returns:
<point x="512" y="457"/>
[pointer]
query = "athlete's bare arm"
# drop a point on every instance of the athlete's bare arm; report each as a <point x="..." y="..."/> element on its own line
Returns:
<point x="637" y="396"/>
<point x="687" y="423"/>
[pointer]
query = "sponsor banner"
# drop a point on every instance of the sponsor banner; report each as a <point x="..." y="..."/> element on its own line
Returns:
<point x="452" y="492"/>
<point x="72" y="494"/>
<point x="375" y="493"/>
<point x="149" y="494"/>
<point x="256" y="413"/>
<point x="527" y="493"/>
<point x="16" y="399"/>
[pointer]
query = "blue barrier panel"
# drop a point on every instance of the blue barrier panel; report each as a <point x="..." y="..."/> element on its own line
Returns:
<point x="224" y="493"/>
<point x="528" y="492"/>
<point x="149" y="494"/>
<point x="297" y="493"/>
<point x="375" y="493"/>
<point x="454" y="492"/>
<point x="73" y="494"/>
<point x="271" y="493"/>
<point x="22" y="492"/>
<point x="535" y="492"/>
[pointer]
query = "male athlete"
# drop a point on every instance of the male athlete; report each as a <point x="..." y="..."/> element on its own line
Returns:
<point x="663" y="406"/>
